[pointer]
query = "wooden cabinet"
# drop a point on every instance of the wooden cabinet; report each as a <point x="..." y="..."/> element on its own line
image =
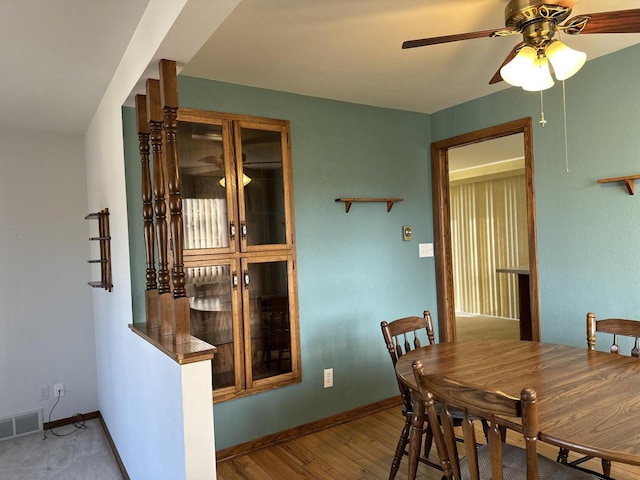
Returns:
<point x="239" y="248"/>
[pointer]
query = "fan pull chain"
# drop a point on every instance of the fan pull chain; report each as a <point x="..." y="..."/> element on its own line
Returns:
<point x="564" y="110"/>
<point x="542" y="121"/>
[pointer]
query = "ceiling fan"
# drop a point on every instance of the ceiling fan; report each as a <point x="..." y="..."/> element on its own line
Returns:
<point x="527" y="65"/>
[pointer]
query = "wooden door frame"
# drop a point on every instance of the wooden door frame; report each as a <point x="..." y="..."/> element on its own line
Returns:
<point x="442" y="221"/>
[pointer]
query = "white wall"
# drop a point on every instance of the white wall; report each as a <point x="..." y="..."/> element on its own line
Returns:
<point x="53" y="326"/>
<point x="46" y="316"/>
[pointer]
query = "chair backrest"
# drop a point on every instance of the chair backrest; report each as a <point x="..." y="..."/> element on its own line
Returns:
<point x="476" y="403"/>
<point x="402" y="336"/>
<point x="615" y="327"/>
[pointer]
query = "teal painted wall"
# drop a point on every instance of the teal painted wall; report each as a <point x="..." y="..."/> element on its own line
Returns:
<point x="354" y="270"/>
<point x="133" y="184"/>
<point x="587" y="232"/>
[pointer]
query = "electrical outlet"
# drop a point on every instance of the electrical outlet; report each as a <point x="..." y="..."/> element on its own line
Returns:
<point x="44" y="392"/>
<point x="58" y="390"/>
<point x="328" y="377"/>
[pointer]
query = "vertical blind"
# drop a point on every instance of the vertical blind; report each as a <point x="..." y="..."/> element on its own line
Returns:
<point x="488" y="231"/>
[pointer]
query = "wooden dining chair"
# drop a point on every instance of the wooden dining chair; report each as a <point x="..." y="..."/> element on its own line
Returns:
<point x="402" y="336"/>
<point x="616" y="327"/>
<point x="495" y="459"/>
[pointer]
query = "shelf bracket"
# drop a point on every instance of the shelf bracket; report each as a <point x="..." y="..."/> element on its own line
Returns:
<point x="629" y="182"/>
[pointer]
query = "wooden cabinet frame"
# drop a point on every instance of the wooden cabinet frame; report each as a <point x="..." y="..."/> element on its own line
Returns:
<point x="240" y="255"/>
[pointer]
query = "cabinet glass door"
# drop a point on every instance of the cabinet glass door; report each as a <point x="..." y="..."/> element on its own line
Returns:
<point x="262" y="195"/>
<point x="213" y="299"/>
<point x="206" y="204"/>
<point x="268" y="344"/>
<point x="239" y="255"/>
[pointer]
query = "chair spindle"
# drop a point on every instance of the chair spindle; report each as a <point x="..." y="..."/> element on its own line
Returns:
<point x="614" y="346"/>
<point x="407" y="345"/>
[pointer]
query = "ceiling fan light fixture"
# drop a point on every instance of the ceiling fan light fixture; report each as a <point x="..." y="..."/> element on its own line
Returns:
<point x="518" y="70"/>
<point x="566" y="61"/>
<point x="539" y="77"/>
<point x="245" y="181"/>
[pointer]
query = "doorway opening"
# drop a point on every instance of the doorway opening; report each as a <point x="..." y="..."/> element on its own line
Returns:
<point x="521" y="265"/>
<point x="487" y="191"/>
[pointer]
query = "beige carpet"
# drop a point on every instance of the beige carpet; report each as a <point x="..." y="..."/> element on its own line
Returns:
<point x="470" y="326"/>
<point x="82" y="455"/>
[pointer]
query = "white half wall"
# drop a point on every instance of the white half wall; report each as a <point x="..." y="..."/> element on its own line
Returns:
<point x="196" y="411"/>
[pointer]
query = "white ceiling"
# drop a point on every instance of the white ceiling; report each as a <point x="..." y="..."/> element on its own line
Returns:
<point x="350" y="50"/>
<point x="58" y="56"/>
<point x="493" y="151"/>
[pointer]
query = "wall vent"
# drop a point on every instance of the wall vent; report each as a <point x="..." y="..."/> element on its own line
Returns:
<point x="20" y="424"/>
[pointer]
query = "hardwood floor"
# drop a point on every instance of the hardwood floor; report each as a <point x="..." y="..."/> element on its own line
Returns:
<point x="358" y="450"/>
<point x="473" y="326"/>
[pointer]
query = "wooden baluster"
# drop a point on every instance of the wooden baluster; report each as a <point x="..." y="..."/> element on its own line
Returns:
<point x="156" y="118"/>
<point x="169" y="101"/>
<point x="151" y="294"/>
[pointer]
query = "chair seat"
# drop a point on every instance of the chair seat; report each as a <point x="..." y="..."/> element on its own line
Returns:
<point x="514" y="460"/>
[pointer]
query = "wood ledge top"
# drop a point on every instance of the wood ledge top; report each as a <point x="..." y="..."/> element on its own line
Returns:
<point x="193" y="351"/>
<point x="629" y="181"/>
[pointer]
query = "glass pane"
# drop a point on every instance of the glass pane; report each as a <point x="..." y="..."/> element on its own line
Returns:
<point x="269" y="313"/>
<point x="209" y="292"/>
<point x="204" y="204"/>
<point x="264" y="190"/>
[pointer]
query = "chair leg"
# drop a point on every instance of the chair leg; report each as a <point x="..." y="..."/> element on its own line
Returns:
<point x="400" y="448"/>
<point x="502" y="428"/>
<point x="606" y="467"/>
<point x="428" y="439"/>
<point x="563" y="455"/>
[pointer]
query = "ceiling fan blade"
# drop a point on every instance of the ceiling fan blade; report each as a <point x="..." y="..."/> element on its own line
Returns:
<point x="201" y="170"/>
<point x="620" y="21"/>
<point x="212" y="160"/>
<point x="514" y="51"/>
<point x="449" y="38"/>
<point x="562" y="3"/>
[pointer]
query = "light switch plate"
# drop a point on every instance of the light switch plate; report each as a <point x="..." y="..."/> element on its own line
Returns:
<point x="407" y="233"/>
<point x="425" y="250"/>
<point x="328" y="377"/>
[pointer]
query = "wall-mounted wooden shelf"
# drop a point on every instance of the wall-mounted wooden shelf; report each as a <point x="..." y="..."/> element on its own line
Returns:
<point x="349" y="201"/>
<point x="104" y="237"/>
<point x="629" y="181"/>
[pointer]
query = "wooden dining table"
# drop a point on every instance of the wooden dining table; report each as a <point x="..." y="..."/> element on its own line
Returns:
<point x="588" y="401"/>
